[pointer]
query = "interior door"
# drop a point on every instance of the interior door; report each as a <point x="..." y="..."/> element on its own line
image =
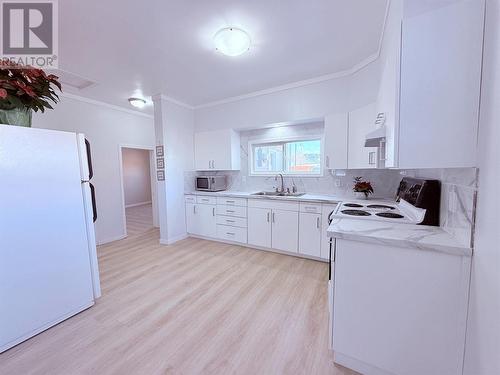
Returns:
<point x="259" y="226"/>
<point x="285" y="230"/>
<point x="310" y="234"/>
<point x="45" y="271"/>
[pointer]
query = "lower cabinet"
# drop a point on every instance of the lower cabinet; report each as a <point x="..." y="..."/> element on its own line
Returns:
<point x="310" y="234"/>
<point x="259" y="226"/>
<point x="201" y="219"/>
<point x="275" y="229"/>
<point x="285" y="230"/>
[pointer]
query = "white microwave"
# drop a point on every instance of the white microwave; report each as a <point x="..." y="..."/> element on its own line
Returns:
<point x="211" y="183"/>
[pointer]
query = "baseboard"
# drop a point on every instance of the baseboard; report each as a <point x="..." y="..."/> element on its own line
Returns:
<point x="170" y="241"/>
<point x="111" y="239"/>
<point x="137" y="204"/>
<point x="357" y="365"/>
<point x="297" y="255"/>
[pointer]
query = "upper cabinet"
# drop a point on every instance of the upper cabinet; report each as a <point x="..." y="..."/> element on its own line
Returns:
<point x="217" y="150"/>
<point x="430" y="86"/>
<point x="336" y="133"/>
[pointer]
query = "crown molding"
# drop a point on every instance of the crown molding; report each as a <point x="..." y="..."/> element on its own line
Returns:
<point x="157" y="97"/>
<point x="104" y="104"/>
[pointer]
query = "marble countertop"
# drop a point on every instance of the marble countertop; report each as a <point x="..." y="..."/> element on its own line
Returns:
<point x="422" y="237"/>
<point x="318" y="198"/>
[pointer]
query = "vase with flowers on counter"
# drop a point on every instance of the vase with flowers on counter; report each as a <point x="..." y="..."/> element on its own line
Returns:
<point x="362" y="189"/>
<point x="24" y="89"/>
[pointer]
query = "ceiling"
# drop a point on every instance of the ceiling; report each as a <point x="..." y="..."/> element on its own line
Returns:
<point x="131" y="47"/>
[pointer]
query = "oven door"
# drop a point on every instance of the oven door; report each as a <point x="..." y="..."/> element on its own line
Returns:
<point x="203" y="183"/>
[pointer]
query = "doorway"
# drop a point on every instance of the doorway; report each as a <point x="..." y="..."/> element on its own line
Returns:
<point x="138" y="189"/>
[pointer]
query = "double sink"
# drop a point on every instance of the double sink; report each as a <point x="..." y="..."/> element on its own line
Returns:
<point x="278" y="194"/>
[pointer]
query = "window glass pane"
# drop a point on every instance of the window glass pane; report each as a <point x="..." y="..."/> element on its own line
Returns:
<point x="303" y="157"/>
<point x="267" y="158"/>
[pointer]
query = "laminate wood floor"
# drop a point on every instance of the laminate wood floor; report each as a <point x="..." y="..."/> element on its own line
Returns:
<point x="195" y="307"/>
<point x="139" y="219"/>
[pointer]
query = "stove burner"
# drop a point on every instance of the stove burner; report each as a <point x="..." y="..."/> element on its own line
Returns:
<point x="356" y="212"/>
<point x="390" y="215"/>
<point x="380" y="206"/>
<point x="353" y="205"/>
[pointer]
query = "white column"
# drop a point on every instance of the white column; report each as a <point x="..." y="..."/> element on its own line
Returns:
<point x="174" y="130"/>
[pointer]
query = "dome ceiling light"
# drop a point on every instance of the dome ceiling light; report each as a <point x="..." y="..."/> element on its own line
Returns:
<point x="232" y="41"/>
<point x="137" y="102"/>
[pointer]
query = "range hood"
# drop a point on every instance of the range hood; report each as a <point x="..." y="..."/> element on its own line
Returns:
<point x="374" y="137"/>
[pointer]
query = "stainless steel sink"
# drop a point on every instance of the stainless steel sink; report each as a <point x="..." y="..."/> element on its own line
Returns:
<point x="276" y="194"/>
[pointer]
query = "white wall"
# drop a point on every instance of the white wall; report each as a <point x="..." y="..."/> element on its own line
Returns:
<point x="105" y="128"/>
<point x="310" y="102"/>
<point x="136" y="176"/>
<point x="483" y="332"/>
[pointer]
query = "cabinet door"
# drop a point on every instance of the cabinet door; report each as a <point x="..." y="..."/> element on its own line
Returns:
<point x="259" y="227"/>
<point x="361" y="122"/>
<point x="310" y="234"/>
<point x="191" y="222"/>
<point x="203" y="147"/>
<point x="217" y="150"/>
<point x="206" y="220"/>
<point x="336" y="141"/>
<point x="285" y="230"/>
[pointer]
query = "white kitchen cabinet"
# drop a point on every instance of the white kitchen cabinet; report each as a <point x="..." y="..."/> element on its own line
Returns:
<point x="335" y="144"/>
<point x="310" y="234"/>
<point x="285" y="229"/>
<point x="399" y="310"/>
<point x="201" y="219"/>
<point x="259" y="226"/>
<point x="430" y="86"/>
<point x="361" y="122"/>
<point x="217" y="150"/>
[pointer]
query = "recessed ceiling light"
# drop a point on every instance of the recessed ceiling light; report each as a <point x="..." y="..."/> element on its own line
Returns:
<point x="232" y="41"/>
<point x="137" y="102"/>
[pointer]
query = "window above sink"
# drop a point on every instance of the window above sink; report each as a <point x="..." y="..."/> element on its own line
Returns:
<point x="297" y="157"/>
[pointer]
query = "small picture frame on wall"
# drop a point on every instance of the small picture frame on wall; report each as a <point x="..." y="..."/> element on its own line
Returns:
<point x="159" y="151"/>
<point x="160" y="175"/>
<point x="160" y="163"/>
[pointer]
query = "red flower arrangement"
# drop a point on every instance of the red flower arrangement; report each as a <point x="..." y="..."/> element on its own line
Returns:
<point x="361" y="186"/>
<point x="25" y="87"/>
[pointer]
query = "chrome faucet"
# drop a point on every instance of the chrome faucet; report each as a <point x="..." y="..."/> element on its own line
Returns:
<point x="282" y="189"/>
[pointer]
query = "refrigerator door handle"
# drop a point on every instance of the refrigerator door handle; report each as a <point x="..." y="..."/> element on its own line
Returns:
<point x="89" y="158"/>
<point x="94" y="205"/>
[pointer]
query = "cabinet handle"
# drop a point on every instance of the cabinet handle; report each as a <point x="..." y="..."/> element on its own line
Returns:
<point x="229" y="201"/>
<point x="231" y="234"/>
<point x="194" y="209"/>
<point x="273" y="218"/>
<point x="317" y="222"/>
<point x="268" y="217"/>
<point x="309" y="208"/>
<point x="229" y="221"/>
<point x="213" y="164"/>
<point x="327" y="161"/>
<point x="205" y="200"/>
<point x="230" y="211"/>
<point x="213" y="211"/>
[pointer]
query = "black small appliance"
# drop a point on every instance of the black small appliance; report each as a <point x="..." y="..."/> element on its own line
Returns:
<point x="422" y="193"/>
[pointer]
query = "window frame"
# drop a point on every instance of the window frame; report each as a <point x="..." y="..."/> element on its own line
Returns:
<point x="283" y="141"/>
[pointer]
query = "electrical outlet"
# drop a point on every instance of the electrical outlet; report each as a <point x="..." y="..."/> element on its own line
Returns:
<point x="244" y="179"/>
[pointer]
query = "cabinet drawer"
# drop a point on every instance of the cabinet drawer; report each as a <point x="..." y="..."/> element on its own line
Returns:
<point x="226" y="232"/>
<point x="232" y="201"/>
<point x="206" y="199"/>
<point x="314" y="208"/>
<point x="232" y="221"/>
<point x="190" y="198"/>
<point x="237" y="211"/>
<point x="273" y="204"/>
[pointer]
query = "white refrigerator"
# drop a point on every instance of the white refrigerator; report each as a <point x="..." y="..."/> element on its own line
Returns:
<point x="48" y="260"/>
